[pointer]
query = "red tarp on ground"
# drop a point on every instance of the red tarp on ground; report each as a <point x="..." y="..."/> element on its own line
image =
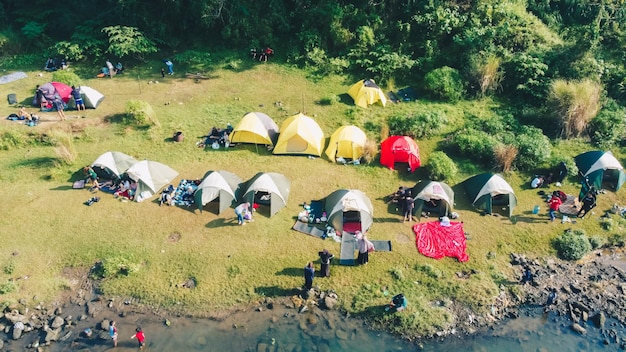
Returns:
<point x="436" y="241"/>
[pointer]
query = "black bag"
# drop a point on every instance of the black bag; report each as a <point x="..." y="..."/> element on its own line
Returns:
<point x="12" y="98"/>
<point x="397" y="299"/>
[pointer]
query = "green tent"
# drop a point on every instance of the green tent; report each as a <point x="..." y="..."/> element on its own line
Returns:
<point x="217" y="184"/>
<point x="267" y="188"/>
<point x="432" y="196"/>
<point x="487" y="190"/>
<point x="598" y="166"/>
<point x="349" y="206"/>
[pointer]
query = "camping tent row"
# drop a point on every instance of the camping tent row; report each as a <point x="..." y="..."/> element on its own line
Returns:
<point x="271" y="189"/>
<point x="301" y="135"/>
<point x="91" y="97"/>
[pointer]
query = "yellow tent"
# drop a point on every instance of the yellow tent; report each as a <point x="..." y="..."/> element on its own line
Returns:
<point x="366" y="92"/>
<point x="301" y="135"/>
<point x="347" y="142"/>
<point x="255" y="127"/>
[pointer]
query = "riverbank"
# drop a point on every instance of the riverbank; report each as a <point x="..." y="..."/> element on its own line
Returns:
<point x="589" y="293"/>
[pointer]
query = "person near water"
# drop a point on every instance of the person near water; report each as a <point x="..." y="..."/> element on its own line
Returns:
<point x="398" y="303"/>
<point x="78" y="98"/>
<point x="240" y="211"/>
<point x="325" y="258"/>
<point x="589" y="202"/>
<point x="527" y="276"/>
<point x="113" y="332"/>
<point x="552" y="296"/>
<point x="309" y="273"/>
<point x="141" y="338"/>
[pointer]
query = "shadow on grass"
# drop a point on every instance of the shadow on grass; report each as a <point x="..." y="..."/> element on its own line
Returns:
<point x="528" y="217"/>
<point x="42" y="162"/>
<point x="397" y="219"/>
<point x="291" y="272"/>
<point x="221" y="222"/>
<point x="275" y="291"/>
<point x="61" y="188"/>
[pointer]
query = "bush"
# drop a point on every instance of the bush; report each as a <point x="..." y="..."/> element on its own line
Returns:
<point x="475" y="144"/>
<point x="195" y="60"/>
<point x="597" y="242"/>
<point x="67" y="77"/>
<point x="617" y="240"/>
<point x="504" y="155"/>
<point x="139" y="114"/>
<point x="534" y="148"/>
<point x="370" y="149"/>
<point x="114" y="266"/>
<point x="329" y="100"/>
<point x="444" y="83"/>
<point x="12" y="139"/>
<point x="572" y="245"/>
<point x="441" y="167"/>
<point x="421" y="125"/>
<point x="608" y="128"/>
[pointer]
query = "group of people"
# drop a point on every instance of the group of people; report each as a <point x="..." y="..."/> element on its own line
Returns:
<point x="55" y="64"/>
<point x="309" y="269"/>
<point x="261" y="55"/>
<point x="403" y="197"/>
<point x="139" y="335"/>
<point x="558" y="197"/>
<point x="217" y="138"/>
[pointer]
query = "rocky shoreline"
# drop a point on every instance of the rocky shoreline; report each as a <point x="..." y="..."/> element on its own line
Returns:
<point x="589" y="293"/>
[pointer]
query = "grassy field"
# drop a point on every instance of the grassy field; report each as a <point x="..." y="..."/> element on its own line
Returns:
<point x="47" y="228"/>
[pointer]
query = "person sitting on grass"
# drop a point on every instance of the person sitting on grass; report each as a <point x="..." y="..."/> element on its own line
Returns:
<point x="398" y="303"/>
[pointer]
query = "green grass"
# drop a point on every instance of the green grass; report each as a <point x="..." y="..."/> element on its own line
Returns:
<point x="46" y="228"/>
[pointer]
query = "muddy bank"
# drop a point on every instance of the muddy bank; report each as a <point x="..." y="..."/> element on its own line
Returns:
<point x="589" y="301"/>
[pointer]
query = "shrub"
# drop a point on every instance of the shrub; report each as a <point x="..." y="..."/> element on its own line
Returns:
<point x="397" y="274"/>
<point x="67" y="77"/>
<point x="329" y="100"/>
<point x="139" y="113"/>
<point x="534" y="148"/>
<point x="504" y="156"/>
<point x="572" y="245"/>
<point x="370" y="149"/>
<point x="114" y="266"/>
<point x="608" y="128"/>
<point x="70" y="51"/>
<point x="478" y="145"/>
<point x="607" y="224"/>
<point x="597" y="241"/>
<point x="11" y="139"/>
<point x="444" y="83"/>
<point x="7" y="287"/>
<point x="421" y="125"/>
<point x="617" y="240"/>
<point x="197" y="60"/>
<point x="441" y="167"/>
<point x="575" y="104"/>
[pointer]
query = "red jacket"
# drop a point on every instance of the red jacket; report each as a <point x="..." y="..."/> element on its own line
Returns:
<point x="555" y="203"/>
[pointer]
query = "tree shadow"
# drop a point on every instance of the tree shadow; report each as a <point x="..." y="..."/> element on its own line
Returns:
<point x="40" y="162"/>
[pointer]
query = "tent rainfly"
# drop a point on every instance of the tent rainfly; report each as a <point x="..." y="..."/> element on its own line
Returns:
<point x="366" y="92"/>
<point x="346" y="142"/>
<point x="400" y="149"/>
<point x="217" y="184"/>
<point x="255" y="128"/>
<point x="268" y="188"/>
<point x="487" y="190"/>
<point x="150" y="176"/>
<point x="432" y="196"/>
<point x="114" y="164"/>
<point x="349" y="205"/>
<point x="598" y="166"/>
<point x="300" y="135"/>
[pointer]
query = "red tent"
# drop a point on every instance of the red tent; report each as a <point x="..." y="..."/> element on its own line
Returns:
<point x="63" y="90"/>
<point x="400" y="149"/>
<point x="437" y="241"/>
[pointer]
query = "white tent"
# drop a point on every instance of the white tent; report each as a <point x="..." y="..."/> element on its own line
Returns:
<point x="114" y="163"/>
<point x="150" y="176"/>
<point x="218" y="184"/>
<point x="91" y="97"/>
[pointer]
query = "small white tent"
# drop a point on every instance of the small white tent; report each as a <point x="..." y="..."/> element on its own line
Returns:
<point x="91" y="97"/>
<point x="150" y="176"/>
<point x="113" y="164"/>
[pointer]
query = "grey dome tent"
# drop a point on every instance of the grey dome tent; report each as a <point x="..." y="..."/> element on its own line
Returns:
<point x="91" y="98"/>
<point x="150" y="176"/>
<point x="267" y="188"/>
<point x="432" y="196"/>
<point x="349" y="206"/>
<point x="598" y="166"/>
<point x="487" y="190"/>
<point x="217" y="184"/>
<point x="112" y="165"/>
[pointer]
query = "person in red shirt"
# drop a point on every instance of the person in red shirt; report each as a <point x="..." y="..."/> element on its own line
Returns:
<point x="141" y="338"/>
<point x="554" y="203"/>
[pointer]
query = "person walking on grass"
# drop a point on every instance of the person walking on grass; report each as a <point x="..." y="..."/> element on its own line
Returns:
<point x="554" y="203"/>
<point x="325" y="258"/>
<point x="58" y="105"/>
<point x="309" y="273"/>
<point x="141" y="338"/>
<point x="113" y="332"/>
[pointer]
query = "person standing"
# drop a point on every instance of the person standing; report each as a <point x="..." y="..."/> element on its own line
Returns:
<point x="309" y="273"/>
<point x="78" y="98"/>
<point x="162" y="72"/>
<point x="58" y="105"/>
<point x="141" y="338"/>
<point x="554" y="203"/>
<point x="240" y="211"/>
<point x="325" y="258"/>
<point x="364" y="246"/>
<point x="408" y="205"/>
<point x="110" y="67"/>
<point x="113" y="332"/>
<point x="589" y="202"/>
<point x="92" y="177"/>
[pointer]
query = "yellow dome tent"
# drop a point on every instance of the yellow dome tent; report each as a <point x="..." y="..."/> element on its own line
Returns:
<point x="366" y="92"/>
<point x="346" y="142"/>
<point x="255" y="128"/>
<point x="300" y="135"/>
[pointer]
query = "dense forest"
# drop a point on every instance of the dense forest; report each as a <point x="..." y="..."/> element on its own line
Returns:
<point x="558" y="65"/>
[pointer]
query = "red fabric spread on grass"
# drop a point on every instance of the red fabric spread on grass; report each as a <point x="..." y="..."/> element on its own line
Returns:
<point x="436" y="241"/>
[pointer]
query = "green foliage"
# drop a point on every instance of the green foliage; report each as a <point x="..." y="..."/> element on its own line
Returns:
<point x="8" y="287"/>
<point x="385" y="63"/>
<point x="397" y="274"/>
<point x="525" y="78"/>
<point x="617" y="240"/>
<point x="115" y="266"/>
<point x="608" y="128"/>
<point x="445" y="83"/>
<point x="9" y="268"/>
<point x="534" y="148"/>
<point x="10" y="139"/>
<point x="140" y="114"/>
<point x="128" y="41"/>
<point x="422" y="124"/>
<point x="441" y="167"/>
<point x="572" y="244"/>
<point x="317" y="59"/>
<point x="67" y="77"/>
<point x="597" y="241"/>
<point x="475" y="144"/>
<point x="607" y="224"/>
<point x="70" y="51"/>
<point x="429" y="271"/>
<point x="575" y="104"/>
<point x="330" y="100"/>
<point x="197" y="61"/>
<point x="33" y="30"/>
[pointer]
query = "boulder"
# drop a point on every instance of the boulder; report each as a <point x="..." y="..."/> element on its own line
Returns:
<point x="579" y="329"/>
<point x="52" y="334"/>
<point x="57" y="322"/>
<point x="599" y="320"/>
